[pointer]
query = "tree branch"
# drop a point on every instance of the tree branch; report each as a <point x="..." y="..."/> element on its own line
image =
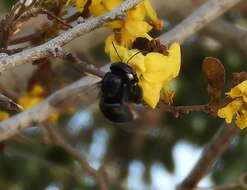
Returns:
<point x="197" y="20"/>
<point x="42" y="111"/>
<point x="228" y="33"/>
<point x="211" y="152"/>
<point x="48" y="48"/>
<point x="58" y="140"/>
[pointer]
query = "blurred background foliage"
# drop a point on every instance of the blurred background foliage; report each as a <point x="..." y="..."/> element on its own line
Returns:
<point x="27" y="164"/>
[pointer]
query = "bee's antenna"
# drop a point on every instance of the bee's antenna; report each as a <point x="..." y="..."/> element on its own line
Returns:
<point x="116" y="51"/>
<point x="133" y="56"/>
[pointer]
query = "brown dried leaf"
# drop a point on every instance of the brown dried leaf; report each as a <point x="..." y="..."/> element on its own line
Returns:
<point x="214" y="73"/>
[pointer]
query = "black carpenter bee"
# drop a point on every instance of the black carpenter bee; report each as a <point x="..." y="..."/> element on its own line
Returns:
<point x="118" y="88"/>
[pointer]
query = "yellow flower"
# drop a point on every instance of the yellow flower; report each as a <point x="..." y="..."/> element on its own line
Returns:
<point x="155" y="70"/>
<point x="53" y="118"/>
<point x="237" y="108"/>
<point x="32" y="98"/>
<point x="135" y="25"/>
<point x="126" y="31"/>
<point x="80" y="4"/>
<point x="3" y="115"/>
<point x="99" y="7"/>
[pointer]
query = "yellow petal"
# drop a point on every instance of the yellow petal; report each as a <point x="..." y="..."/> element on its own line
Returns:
<point x="111" y="4"/>
<point x="156" y="62"/>
<point x="96" y="2"/>
<point x="28" y="101"/>
<point x="162" y="68"/>
<point x="239" y="90"/>
<point x="151" y="92"/>
<point x="157" y="23"/>
<point x="136" y="60"/>
<point x="174" y="58"/>
<point x="117" y="54"/>
<point x="80" y="5"/>
<point x="3" y="115"/>
<point x="126" y="38"/>
<point x="97" y="9"/>
<point x="137" y="13"/>
<point x="230" y="110"/>
<point x="137" y="28"/>
<point x="241" y="119"/>
<point x="37" y="90"/>
<point x="150" y="11"/>
<point x="168" y="65"/>
<point x="114" y="24"/>
<point x="108" y="43"/>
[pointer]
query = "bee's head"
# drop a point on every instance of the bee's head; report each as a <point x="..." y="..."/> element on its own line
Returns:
<point x="125" y="71"/>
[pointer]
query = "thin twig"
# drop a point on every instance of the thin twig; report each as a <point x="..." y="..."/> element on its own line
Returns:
<point x="177" y="110"/>
<point x="80" y="64"/>
<point x="211" y="153"/>
<point x="36" y="11"/>
<point x="37" y="34"/>
<point x="58" y="140"/>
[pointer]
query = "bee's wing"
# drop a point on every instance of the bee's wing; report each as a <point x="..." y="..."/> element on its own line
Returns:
<point x="81" y="97"/>
<point x="89" y="96"/>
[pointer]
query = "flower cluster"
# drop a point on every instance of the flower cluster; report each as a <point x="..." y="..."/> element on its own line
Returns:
<point x="33" y="97"/>
<point x="155" y="70"/>
<point x="237" y="108"/>
<point x="127" y="30"/>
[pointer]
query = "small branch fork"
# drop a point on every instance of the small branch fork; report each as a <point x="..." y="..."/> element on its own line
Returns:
<point x="37" y="10"/>
<point x="98" y="175"/>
